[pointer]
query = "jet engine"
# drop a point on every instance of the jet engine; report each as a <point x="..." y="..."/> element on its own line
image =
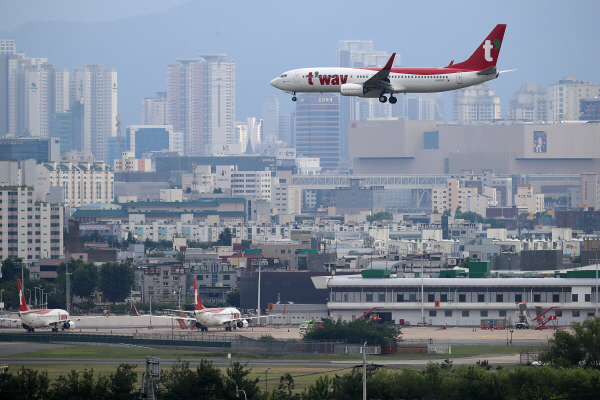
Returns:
<point x="353" y="89"/>
<point x="69" y="325"/>
<point x="242" y="324"/>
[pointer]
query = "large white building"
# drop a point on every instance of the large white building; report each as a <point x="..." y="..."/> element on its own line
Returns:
<point x="476" y="104"/>
<point x="29" y="229"/>
<point x="530" y="103"/>
<point x="201" y="102"/>
<point x="451" y="197"/>
<point x="79" y="182"/>
<point x="154" y="110"/>
<point x="565" y="95"/>
<point x="526" y="197"/>
<point x="254" y="184"/>
<point x="96" y="90"/>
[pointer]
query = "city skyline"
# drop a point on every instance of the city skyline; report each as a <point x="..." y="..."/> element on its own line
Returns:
<point x="528" y="44"/>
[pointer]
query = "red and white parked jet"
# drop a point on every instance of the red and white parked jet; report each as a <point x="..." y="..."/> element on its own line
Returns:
<point x="229" y="317"/>
<point x="374" y="82"/>
<point x="43" y="318"/>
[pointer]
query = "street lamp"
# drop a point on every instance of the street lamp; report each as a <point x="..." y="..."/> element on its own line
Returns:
<point x="36" y="289"/>
<point x="266" y="384"/>
<point x="511" y="332"/>
<point x="29" y="295"/>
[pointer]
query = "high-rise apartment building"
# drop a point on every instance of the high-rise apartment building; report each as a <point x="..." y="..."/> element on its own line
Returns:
<point x="201" y="102"/>
<point x="360" y="54"/>
<point x="476" y="104"/>
<point x="270" y="125"/>
<point x="154" y="110"/>
<point x="451" y="197"/>
<point x="530" y="103"/>
<point x="96" y="90"/>
<point x="425" y="108"/>
<point x="30" y="229"/>
<point x="317" y="128"/>
<point x="286" y="129"/>
<point x="144" y="139"/>
<point x="564" y="98"/>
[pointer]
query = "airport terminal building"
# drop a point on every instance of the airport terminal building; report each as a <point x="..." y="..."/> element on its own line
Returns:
<point x="458" y="301"/>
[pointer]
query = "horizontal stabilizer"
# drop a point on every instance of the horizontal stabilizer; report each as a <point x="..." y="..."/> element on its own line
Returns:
<point x="488" y="71"/>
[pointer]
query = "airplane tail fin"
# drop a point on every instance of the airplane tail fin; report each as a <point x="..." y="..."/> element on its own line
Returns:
<point x="22" y="303"/>
<point x="486" y="55"/>
<point x="197" y="302"/>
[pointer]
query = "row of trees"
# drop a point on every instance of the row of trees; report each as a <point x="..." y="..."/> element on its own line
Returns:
<point x="357" y="332"/>
<point x="113" y="279"/>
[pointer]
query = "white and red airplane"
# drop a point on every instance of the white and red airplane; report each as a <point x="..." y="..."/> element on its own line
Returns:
<point x="43" y="318"/>
<point x="374" y="82"/>
<point x="229" y="317"/>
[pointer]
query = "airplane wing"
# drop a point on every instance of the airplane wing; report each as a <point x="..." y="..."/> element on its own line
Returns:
<point x="174" y="317"/>
<point x="179" y="311"/>
<point x="11" y="319"/>
<point x="380" y="81"/>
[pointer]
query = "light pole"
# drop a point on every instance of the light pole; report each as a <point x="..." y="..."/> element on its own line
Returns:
<point x="36" y="289"/>
<point x="1" y="295"/>
<point x="511" y="332"/>
<point x="365" y="371"/>
<point x="29" y="295"/>
<point x="266" y="384"/>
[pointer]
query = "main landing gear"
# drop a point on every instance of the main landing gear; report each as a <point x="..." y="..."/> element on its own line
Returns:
<point x="383" y="99"/>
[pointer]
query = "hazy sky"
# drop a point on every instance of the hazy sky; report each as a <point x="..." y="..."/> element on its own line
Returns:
<point x="545" y="40"/>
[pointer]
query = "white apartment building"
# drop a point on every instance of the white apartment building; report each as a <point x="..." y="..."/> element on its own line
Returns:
<point x="96" y="90"/>
<point x="565" y="95"/>
<point x="476" y="104"/>
<point x="128" y="163"/>
<point x="29" y="229"/>
<point x="530" y="103"/>
<point x="154" y="110"/>
<point x="254" y="184"/>
<point x="80" y="182"/>
<point x="526" y="197"/>
<point x="201" y="180"/>
<point x="201" y="102"/>
<point x="589" y="191"/>
<point x="287" y="199"/>
<point x="451" y="197"/>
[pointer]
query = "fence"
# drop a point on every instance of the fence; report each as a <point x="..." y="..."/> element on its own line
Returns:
<point x="527" y="357"/>
<point x="356" y="349"/>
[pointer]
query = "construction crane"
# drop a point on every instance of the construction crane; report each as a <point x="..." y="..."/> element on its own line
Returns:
<point x="119" y="136"/>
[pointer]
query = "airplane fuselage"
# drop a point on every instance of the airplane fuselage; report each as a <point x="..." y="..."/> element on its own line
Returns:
<point x="217" y="316"/>
<point x="45" y="318"/>
<point x="402" y="80"/>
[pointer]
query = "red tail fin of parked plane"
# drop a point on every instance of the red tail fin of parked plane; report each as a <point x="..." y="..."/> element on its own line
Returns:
<point x="22" y="304"/>
<point x="197" y="302"/>
<point x="486" y="55"/>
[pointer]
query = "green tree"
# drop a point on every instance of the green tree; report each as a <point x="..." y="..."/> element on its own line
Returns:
<point x="122" y="384"/>
<point x="357" y="331"/>
<point x="238" y="374"/>
<point x="116" y="280"/>
<point x="380" y="216"/>
<point x="180" y="256"/>
<point x="234" y="298"/>
<point x="224" y="237"/>
<point x="27" y="384"/>
<point x="286" y="385"/>
<point x="580" y="348"/>
<point x="85" y="277"/>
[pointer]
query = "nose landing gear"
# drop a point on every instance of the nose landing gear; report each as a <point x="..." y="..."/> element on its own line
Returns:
<point x="294" y="98"/>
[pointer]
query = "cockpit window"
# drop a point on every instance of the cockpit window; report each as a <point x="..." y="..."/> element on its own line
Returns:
<point x="283" y="76"/>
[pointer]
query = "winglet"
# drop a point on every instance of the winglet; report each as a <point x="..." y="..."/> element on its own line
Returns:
<point x="22" y="303"/>
<point x="197" y="301"/>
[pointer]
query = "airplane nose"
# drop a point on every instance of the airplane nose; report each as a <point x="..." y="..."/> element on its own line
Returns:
<point x="274" y="82"/>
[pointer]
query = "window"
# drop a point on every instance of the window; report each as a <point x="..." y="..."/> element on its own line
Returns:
<point x="481" y="298"/>
<point x="537" y="297"/>
<point x="430" y="297"/>
<point x="502" y="313"/>
<point x="465" y="313"/>
<point x="432" y="313"/>
<point x="499" y="298"/>
<point x="575" y="298"/>
<point x="484" y="313"/>
<point x="462" y="298"/>
<point x="590" y="314"/>
<point x="518" y="298"/>
<point x="200" y="277"/>
<point x="226" y="277"/>
<point x="400" y="297"/>
<point x="555" y="298"/>
<point x="558" y="313"/>
<point x="412" y="297"/>
<point x="369" y="297"/>
<point x="588" y="297"/>
<point x="443" y="297"/>
<point x="576" y="313"/>
<point x="448" y="313"/>
<point x="381" y="297"/>
<point x="165" y="273"/>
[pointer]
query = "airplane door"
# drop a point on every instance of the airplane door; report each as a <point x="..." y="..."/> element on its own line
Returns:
<point x="459" y="78"/>
<point x="297" y="77"/>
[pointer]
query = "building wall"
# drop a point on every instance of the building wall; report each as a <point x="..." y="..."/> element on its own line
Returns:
<point x="565" y="95"/>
